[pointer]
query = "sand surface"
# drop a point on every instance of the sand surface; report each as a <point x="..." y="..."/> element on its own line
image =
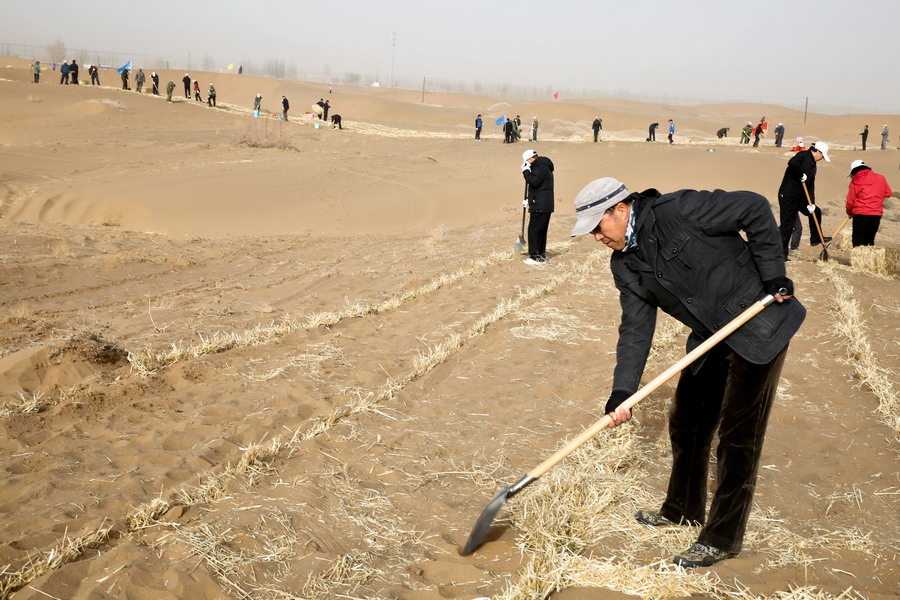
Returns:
<point x="244" y="358"/>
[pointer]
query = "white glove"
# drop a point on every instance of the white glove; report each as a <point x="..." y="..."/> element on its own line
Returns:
<point x="811" y="208"/>
<point x="803" y="178"/>
<point x="526" y="166"/>
<point x="525" y="203"/>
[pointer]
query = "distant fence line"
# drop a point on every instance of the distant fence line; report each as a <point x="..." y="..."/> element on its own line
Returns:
<point x="279" y="69"/>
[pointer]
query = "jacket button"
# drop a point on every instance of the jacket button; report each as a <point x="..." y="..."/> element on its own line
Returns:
<point x="659" y="275"/>
<point x="674" y="250"/>
<point x="715" y="327"/>
<point x="689" y="300"/>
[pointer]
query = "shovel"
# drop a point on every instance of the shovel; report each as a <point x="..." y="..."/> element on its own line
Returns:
<point x="824" y="255"/>
<point x="483" y="524"/>
<point x="520" y="243"/>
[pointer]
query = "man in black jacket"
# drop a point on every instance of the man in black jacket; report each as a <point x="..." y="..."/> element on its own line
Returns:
<point x="538" y="174"/>
<point x="683" y="253"/>
<point x="596" y="126"/>
<point x="800" y="172"/>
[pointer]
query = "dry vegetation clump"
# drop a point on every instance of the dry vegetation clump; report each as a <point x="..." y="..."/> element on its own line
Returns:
<point x="29" y="404"/>
<point x="66" y="551"/>
<point x="92" y="346"/>
<point x="876" y="260"/>
<point x="260" y="137"/>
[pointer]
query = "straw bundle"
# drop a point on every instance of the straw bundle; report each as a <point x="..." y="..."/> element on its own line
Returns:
<point x="875" y="260"/>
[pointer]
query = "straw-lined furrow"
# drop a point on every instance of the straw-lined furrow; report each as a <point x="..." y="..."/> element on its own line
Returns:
<point x="254" y="458"/>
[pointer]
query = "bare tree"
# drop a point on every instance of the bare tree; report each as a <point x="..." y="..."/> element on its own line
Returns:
<point x="56" y="51"/>
<point x="351" y="78"/>
<point x="208" y="63"/>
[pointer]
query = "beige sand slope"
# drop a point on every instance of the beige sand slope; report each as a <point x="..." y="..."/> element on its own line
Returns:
<point x="244" y="358"/>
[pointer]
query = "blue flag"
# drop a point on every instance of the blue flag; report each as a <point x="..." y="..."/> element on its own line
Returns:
<point x="123" y="67"/>
<point x="501" y="120"/>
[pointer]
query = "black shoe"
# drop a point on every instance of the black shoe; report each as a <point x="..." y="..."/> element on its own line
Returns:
<point x="817" y="242"/>
<point x="701" y="555"/>
<point x="654" y="519"/>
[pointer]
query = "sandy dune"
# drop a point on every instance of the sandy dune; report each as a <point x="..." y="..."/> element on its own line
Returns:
<point x="244" y="358"/>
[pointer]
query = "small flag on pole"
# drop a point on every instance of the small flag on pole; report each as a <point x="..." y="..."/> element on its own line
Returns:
<point x="556" y="96"/>
<point x="230" y="66"/>
<point x="501" y="120"/>
<point x="124" y="67"/>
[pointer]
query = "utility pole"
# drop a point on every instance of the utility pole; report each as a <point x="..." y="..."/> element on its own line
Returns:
<point x="393" y="49"/>
<point x="423" y="90"/>
<point x="805" y="108"/>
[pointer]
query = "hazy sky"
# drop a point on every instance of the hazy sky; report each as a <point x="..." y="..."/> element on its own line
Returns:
<point x="835" y="51"/>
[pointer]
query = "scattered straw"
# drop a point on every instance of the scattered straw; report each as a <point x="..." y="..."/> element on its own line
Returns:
<point x="850" y="324"/>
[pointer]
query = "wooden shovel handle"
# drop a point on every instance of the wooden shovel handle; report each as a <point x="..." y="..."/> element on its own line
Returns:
<point x="815" y="220"/>
<point x="651" y="387"/>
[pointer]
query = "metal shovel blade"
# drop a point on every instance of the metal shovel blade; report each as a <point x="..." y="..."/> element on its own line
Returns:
<point x="483" y="524"/>
<point x="520" y="245"/>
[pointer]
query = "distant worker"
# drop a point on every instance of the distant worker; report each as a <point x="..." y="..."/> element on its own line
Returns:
<point x="757" y="131"/>
<point x="285" y="105"/>
<point x="197" y="95"/>
<point x="321" y="105"/>
<point x="64" y="73"/>
<point x="745" y="133"/>
<point x="93" y="71"/>
<point x="507" y="131"/>
<point x="671" y="131"/>
<point x="125" y="79"/>
<point x="154" y="78"/>
<point x="865" y="135"/>
<point x="170" y="88"/>
<point x="186" y="80"/>
<point x="652" y="131"/>
<point x="73" y="72"/>
<point x="722" y="133"/>
<point x="325" y="108"/>
<point x="36" y="70"/>
<point x="478" y="125"/>
<point x="534" y="129"/>
<point x="779" y="135"/>
<point x="240" y="69"/>
<point x="336" y="121"/>
<point x="884" y="137"/>
<point x="865" y="202"/>
<point x="257" y="103"/>
<point x="797" y="194"/>
<point x="211" y="97"/>
<point x="596" y="126"/>
<point x="139" y="79"/>
<point x="538" y="174"/>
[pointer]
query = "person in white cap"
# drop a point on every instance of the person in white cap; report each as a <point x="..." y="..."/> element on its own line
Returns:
<point x="884" y="136"/>
<point x="539" y="200"/>
<point x="865" y="202"/>
<point x="684" y="253"/>
<point x="779" y="134"/>
<point x="534" y="129"/>
<point x="792" y="199"/>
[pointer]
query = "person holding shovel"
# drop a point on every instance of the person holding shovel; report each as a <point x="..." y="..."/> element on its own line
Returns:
<point x="538" y="174"/>
<point x="797" y="194"/>
<point x="683" y="253"/>
<point x="865" y="202"/>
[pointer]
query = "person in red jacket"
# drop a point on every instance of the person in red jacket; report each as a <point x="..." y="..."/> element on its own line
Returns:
<point x="865" y="202"/>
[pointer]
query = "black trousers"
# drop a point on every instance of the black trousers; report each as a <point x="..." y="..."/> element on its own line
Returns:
<point x="538" y="224"/>
<point x="788" y="208"/>
<point x="864" y="229"/>
<point x="735" y="397"/>
<point x="478" y="133"/>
